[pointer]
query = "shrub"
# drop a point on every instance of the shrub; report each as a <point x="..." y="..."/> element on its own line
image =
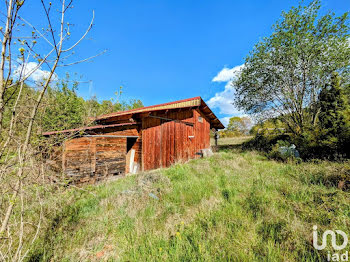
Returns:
<point x="265" y="143"/>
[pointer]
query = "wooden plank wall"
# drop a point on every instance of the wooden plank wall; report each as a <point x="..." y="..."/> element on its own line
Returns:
<point x="88" y="159"/>
<point x="160" y="143"/>
<point x="78" y="157"/>
<point x="137" y="146"/>
<point x="166" y="142"/>
<point x="150" y="143"/>
<point x="110" y="155"/>
<point x="201" y="131"/>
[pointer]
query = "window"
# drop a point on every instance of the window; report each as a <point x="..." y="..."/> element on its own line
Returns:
<point x="200" y="119"/>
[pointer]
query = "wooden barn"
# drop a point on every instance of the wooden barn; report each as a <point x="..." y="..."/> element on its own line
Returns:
<point x="136" y="140"/>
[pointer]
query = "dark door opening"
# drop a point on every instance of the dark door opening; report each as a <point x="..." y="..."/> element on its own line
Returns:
<point x="130" y="142"/>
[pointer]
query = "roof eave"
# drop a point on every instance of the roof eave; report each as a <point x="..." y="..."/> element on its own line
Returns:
<point x="217" y="124"/>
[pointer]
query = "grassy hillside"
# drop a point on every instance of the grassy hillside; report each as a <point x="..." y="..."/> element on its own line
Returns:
<point x="236" y="206"/>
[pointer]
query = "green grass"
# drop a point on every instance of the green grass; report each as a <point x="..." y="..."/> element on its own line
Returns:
<point x="234" y="206"/>
<point x="230" y="141"/>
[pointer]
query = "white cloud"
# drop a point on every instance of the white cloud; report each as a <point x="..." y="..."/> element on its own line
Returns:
<point x="38" y="75"/>
<point x="225" y="120"/>
<point x="224" y="100"/>
<point x="227" y="74"/>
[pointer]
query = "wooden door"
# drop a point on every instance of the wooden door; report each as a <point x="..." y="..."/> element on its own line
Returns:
<point x="166" y="142"/>
<point x="176" y="143"/>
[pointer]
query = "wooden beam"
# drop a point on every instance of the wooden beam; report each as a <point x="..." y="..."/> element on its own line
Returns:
<point x="169" y="119"/>
<point x="110" y="136"/>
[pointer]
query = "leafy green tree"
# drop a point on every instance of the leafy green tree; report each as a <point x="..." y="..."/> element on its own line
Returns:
<point x="239" y="125"/>
<point x="64" y="108"/>
<point x="272" y="126"/>
<point x="347" y="92"/>
<point x="285" y="72"/>
<point x="93" y="108"/>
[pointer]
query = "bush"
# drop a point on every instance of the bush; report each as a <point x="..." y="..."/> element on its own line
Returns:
<point x="330" y="138"/>
<point x="265" y="143"/>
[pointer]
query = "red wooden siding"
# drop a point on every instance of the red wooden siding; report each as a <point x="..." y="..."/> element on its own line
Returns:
<point x="165" y="142"/>
<point x="201" y="131"/>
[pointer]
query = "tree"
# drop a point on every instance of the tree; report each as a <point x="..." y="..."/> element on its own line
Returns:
<point x="94" y="108"/>
<point x="273" y="126"/>
<point x="334" y="118"/>
<point x="24" y="50"/>
<point x="284" y="73"/>
<point x="239" y="125"/>
<point x="64" y="109"/>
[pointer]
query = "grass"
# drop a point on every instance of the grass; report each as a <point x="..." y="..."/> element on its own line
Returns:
<point x="230" y="141"/>
<point x="234" y="206"/>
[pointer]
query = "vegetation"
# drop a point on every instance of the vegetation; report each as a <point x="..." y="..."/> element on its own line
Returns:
<point x="334" y="119"/>
<point x="285" y="72"/>
<point x="30" y="103"/>
<point x="269" y="126"/>
<point x="237" y="126"/>
<point x="64" y="109"/>
<point x="233" y="206"/>
<point x="300" y="76"/>
<point x="31" y="51"/>
<point x="330" y="137"/>
<point x="238" y="205"/>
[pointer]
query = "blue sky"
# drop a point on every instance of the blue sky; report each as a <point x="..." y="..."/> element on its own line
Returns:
<point x="161" y="51"/>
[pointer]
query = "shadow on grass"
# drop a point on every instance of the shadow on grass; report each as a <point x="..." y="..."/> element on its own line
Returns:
<point x="235" y="147"/>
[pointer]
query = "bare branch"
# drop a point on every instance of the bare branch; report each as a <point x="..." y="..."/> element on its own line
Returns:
<point x="84" y="35"/>
<point x="84" y="60"/>
<point x="3" y="58"/>
<point x="50" y="26"/>
<point x="34" y="28"/>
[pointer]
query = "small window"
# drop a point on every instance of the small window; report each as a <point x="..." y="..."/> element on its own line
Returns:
<point x="200" y="119"/>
